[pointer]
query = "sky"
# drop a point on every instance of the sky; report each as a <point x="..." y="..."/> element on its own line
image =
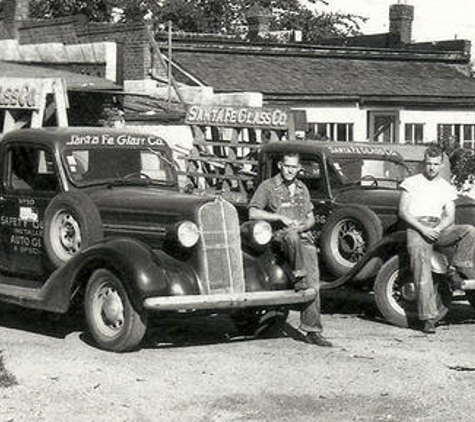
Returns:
<point x="433" y="19"/>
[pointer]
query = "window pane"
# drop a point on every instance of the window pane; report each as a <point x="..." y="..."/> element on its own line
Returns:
<point x="341" y="132"/>
<point x="418" y="133"/>
<point x="467" y="132"/>
<point x="408" y="133"/>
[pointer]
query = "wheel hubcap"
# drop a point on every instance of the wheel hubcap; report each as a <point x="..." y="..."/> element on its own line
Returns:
<point x="351" y="242"/>
<point x="111" y="308"/>
<point x="408" y="292"/>
<point x="68" y="233"/>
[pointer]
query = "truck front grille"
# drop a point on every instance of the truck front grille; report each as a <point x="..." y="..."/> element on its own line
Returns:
<point x="222" y="262"/>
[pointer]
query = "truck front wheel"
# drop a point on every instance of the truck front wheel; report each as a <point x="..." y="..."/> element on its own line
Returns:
<point x="112" y="321"/>
<point x="396" y="296"/>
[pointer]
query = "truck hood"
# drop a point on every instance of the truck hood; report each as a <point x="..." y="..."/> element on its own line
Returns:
<point x="381" y="201"/>
<point x="146" y="204"/>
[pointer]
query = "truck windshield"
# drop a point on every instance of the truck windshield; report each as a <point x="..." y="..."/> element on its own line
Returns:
<point x="369" y="171"/>
<point x="92" y="166"/>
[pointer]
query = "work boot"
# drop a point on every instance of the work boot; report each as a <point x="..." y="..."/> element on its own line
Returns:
<point x="317" y="339"/>
<point x="429" y="327"/>
<point x="300" y="280"/>
<point x="300" y="285"/>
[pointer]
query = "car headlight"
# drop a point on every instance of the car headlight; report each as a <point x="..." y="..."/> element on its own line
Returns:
<point x="188" y="234"/>
<point x="262" y="232"/>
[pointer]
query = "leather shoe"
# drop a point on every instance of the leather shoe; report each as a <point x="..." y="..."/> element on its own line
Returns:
<point x="429" y="327"/>
<point x="317" y="339"/>
<point x="300" y="285"/>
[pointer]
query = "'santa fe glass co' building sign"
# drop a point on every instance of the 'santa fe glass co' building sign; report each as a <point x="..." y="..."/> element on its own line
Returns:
<point x="19" y="93"/>
<point x="264" y="118"/>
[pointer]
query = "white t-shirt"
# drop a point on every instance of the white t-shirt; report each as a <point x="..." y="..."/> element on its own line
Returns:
<point x="428" y="197"/>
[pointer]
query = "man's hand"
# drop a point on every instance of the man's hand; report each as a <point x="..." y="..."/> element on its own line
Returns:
<point x="430" y="233"/>
<point x="288" y="222"/>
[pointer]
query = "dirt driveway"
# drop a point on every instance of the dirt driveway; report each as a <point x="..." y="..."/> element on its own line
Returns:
<point x="198" y="370"/>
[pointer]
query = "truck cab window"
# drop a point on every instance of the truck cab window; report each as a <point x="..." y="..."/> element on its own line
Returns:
<point x="31" y="168"/>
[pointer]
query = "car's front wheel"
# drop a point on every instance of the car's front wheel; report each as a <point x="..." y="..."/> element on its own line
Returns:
<point x="112" y="320"/>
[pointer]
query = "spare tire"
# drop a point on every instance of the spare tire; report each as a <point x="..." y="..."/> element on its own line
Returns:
<point x="72" y="223"/>
<point x="347" y="235"/>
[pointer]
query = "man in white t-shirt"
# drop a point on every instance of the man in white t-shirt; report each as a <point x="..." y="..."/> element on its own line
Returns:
<point x="427" y="206"/>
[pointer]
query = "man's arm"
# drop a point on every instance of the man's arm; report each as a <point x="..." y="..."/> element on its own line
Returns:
<point x="259" y="214"/>
<point x="449" y="216"/>
<point x="430" y="233"/>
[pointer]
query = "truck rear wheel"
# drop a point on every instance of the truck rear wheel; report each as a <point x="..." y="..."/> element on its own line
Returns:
<point x="72" y="223"/>
<point x="112" y="320"/>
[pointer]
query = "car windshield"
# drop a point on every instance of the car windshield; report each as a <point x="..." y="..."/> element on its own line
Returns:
<point x="369" y="171"/>
<point x="93" y="166"/>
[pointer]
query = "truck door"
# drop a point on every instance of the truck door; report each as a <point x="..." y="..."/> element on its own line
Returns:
<point x="30" y="181"/>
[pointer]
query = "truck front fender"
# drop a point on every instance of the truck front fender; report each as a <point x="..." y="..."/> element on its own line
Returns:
<point x="144" y="272"/>
<point x="380" y="251"/>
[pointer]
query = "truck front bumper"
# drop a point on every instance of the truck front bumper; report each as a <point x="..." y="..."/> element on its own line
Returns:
<point x="229" y="300"/>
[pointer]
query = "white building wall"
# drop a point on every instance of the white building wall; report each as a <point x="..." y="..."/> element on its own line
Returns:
<point x="339" y="114"/>
<point x="359" y="117"/>
<point x="431" y="118"/>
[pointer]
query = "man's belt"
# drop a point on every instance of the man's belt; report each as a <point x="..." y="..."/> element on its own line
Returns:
<point x="429" y="220"/>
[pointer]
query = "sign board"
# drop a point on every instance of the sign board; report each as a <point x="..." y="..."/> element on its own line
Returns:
<point x="25" y="102"/>
<point x="230" y="116"/>
<point x="362" y="150"/>
<point x="20" y="93"/>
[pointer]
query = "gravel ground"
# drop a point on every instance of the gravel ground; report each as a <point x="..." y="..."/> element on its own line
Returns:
<point x="198" y="369"/>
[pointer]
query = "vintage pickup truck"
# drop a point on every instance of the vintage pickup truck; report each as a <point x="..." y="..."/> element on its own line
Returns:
<point x="95" y="214"/>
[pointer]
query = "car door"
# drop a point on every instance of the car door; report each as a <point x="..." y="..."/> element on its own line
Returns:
<point x="30" y="181"/>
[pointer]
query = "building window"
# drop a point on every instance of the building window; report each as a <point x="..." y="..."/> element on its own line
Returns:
<point x="414" y="133"/>
<point x="463" y="134"/>
<point x="332" y="131"/>
<point x="383" y="126"/>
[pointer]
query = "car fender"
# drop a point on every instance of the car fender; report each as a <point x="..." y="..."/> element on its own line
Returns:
<point x="265" y="272"/>
<point x="144" y="272"/>
<point x="376" y="256"/>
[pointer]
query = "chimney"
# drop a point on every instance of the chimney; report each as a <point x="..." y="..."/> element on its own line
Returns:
<point x="400" y="22"/>
<point x="258" y="21"/>
<point x="13" y="13"/>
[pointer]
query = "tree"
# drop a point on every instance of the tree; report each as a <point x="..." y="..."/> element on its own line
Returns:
<point x="210" y="16"/>
<point x="95" y="10"/>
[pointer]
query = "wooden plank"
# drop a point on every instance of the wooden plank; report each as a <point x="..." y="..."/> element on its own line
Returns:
<point x="208" y="159"/>
<point x="214" y="176"/>
<point x="61" y="101"/>
<point x="8" y="122"/>
<point x="228" y="145"/>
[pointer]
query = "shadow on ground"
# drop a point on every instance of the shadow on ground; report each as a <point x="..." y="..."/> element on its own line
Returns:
<point x="198" y="330"/>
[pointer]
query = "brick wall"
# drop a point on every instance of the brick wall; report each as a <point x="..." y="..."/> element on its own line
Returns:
<point x="135" y="46"/>
<point x="400" y="21"/>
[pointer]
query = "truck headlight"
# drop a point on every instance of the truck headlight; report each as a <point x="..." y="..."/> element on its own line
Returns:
<point x="188" y="234"/>
<point x="261" y="232"/>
